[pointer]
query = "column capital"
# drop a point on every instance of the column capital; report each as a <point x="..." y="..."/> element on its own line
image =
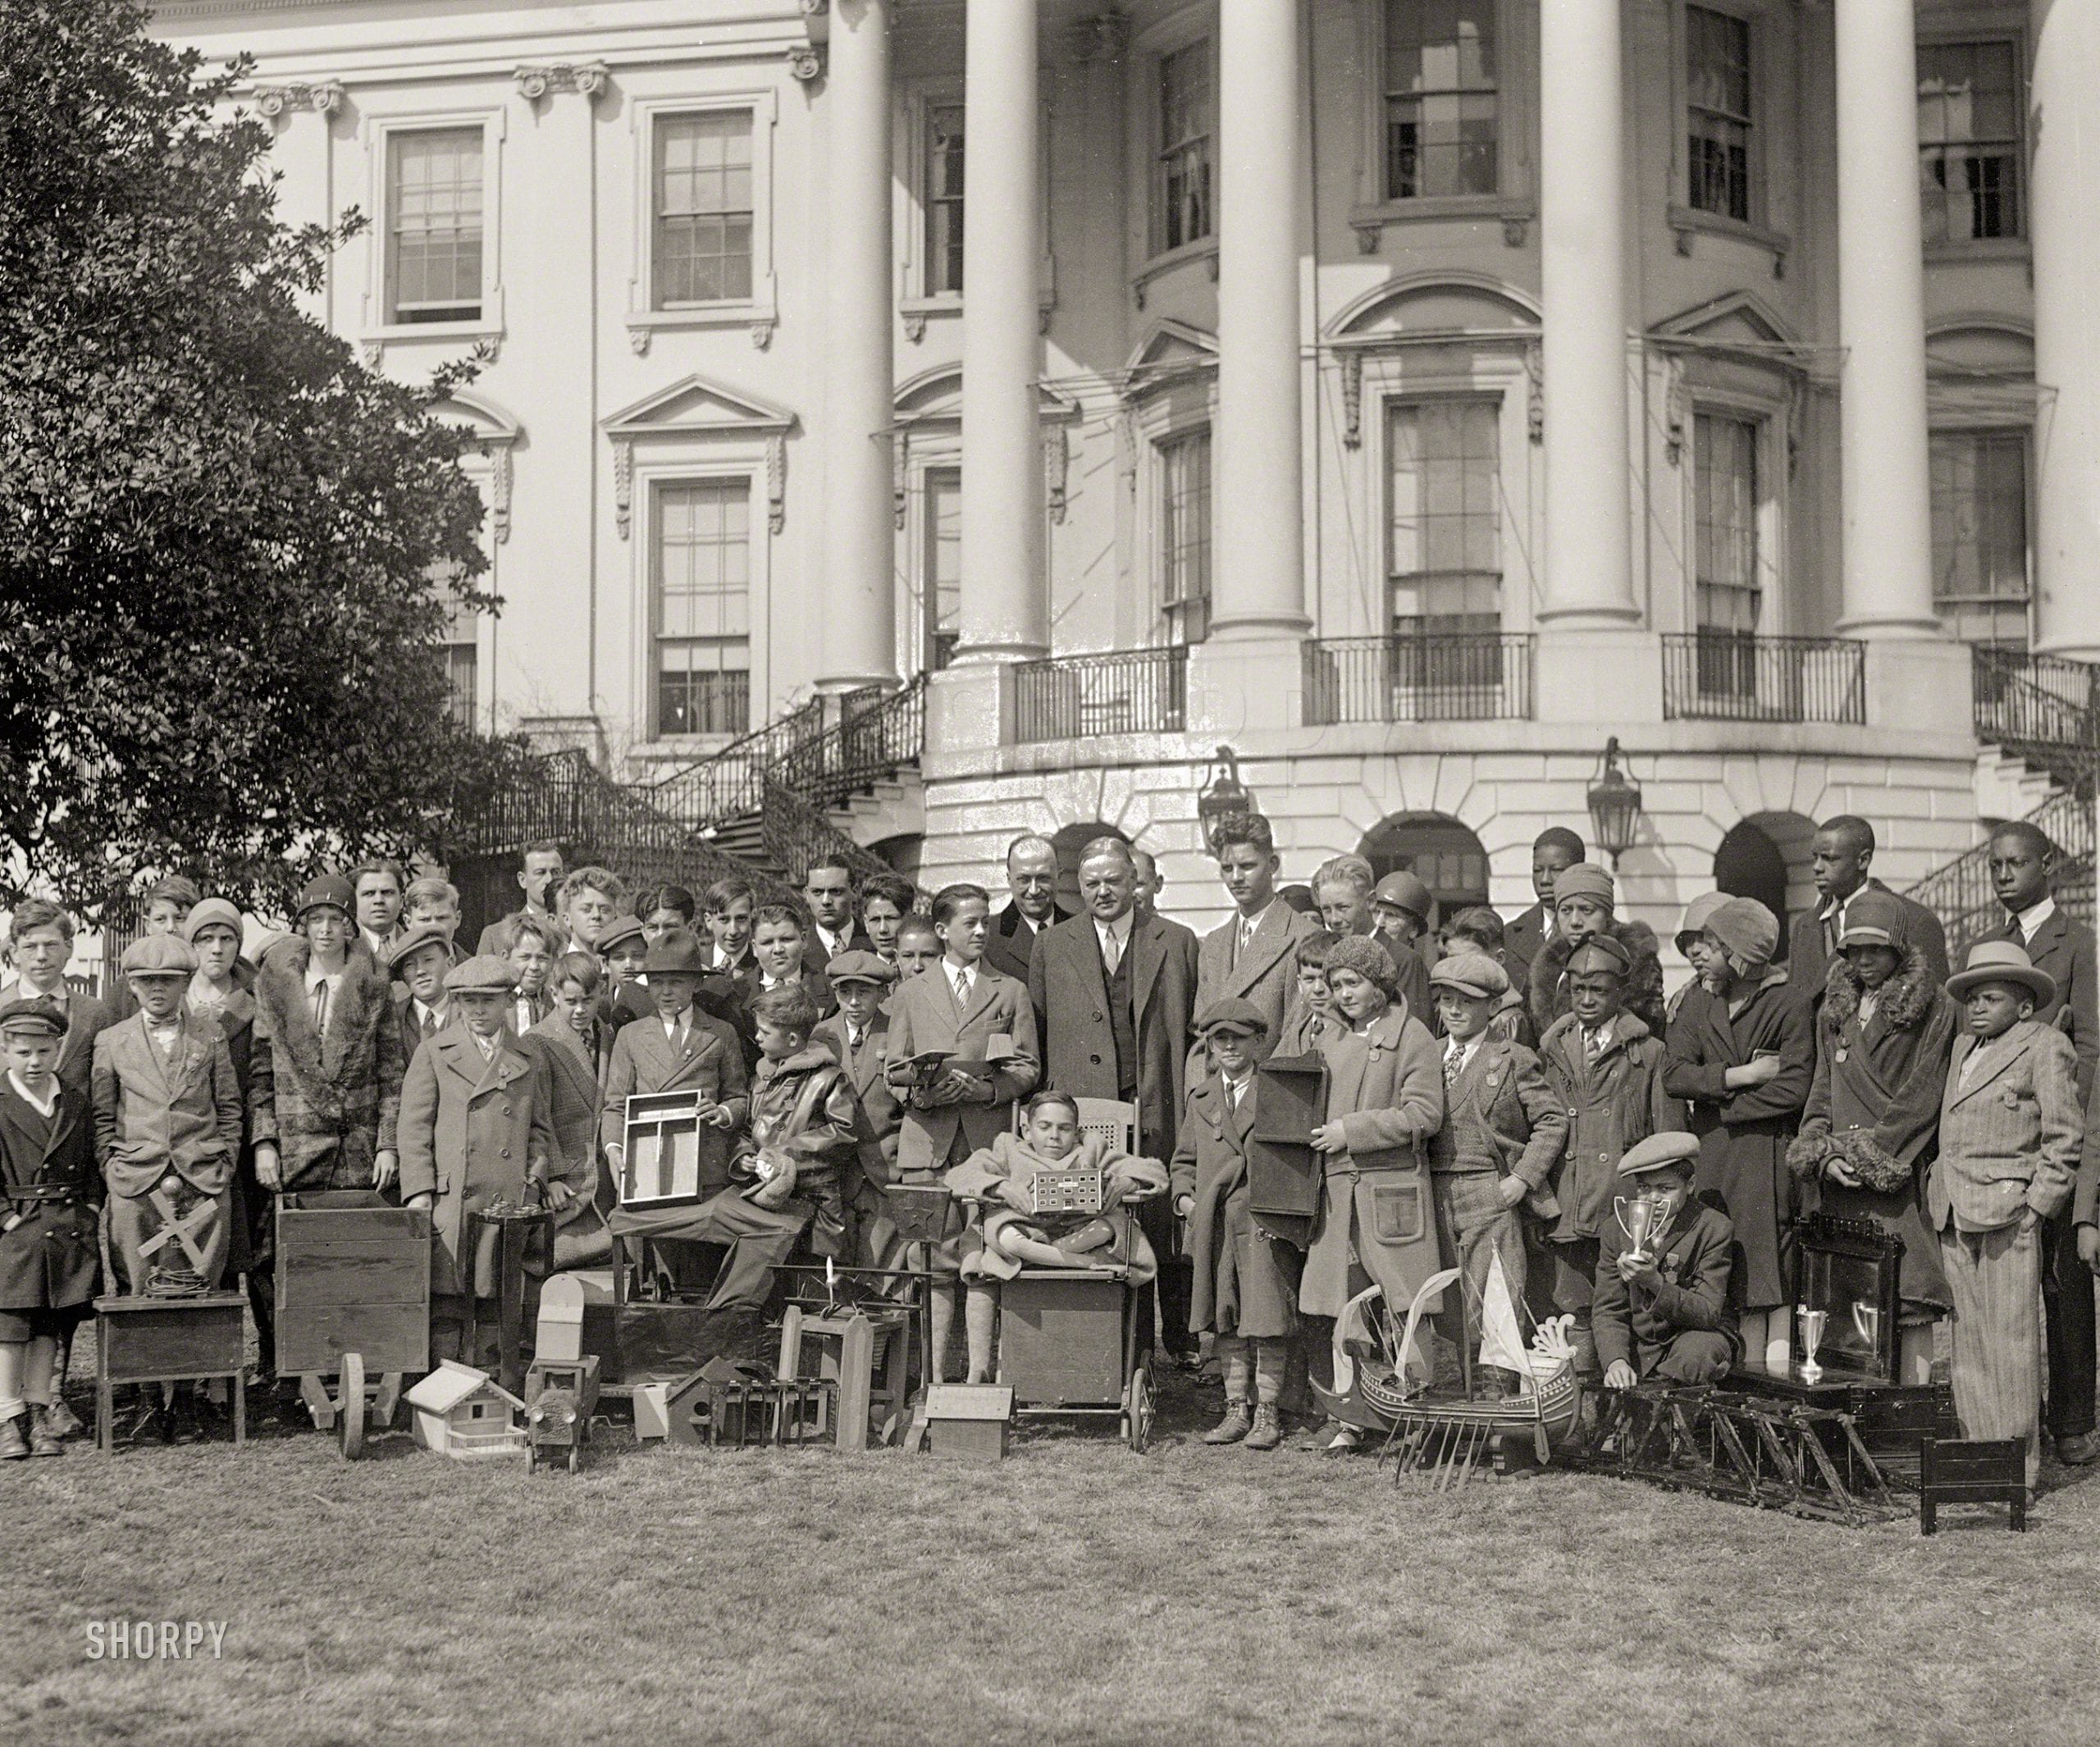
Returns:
<point x="587" y="78"/>
<point x="324" y="97"/>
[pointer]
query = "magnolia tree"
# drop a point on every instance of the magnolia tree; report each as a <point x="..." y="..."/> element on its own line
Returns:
<point x="218" y="531"/>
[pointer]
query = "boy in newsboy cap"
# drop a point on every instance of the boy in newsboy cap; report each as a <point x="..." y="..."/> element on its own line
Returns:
<point x="1666" y="1310"/>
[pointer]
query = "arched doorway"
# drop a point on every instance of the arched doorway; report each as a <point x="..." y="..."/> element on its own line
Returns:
<point x="1068" y="841"/>
<point x="1438" y="850"/>
<point x="1767" y="857"/>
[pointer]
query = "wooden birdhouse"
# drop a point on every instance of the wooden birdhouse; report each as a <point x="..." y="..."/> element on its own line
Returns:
<point x="969" y="1420"/>
<point x="466" y="1414"/>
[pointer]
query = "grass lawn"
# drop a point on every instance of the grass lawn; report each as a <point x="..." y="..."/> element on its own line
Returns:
<point x="1073" y="1593"/>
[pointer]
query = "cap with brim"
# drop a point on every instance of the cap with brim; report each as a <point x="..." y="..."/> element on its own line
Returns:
<point x="414" y="941"/>
<point x="1873" y="918"/>
<point x="1474" y="973"/>
<point x="2001" y="961"/>
<point x="1599" y="952"/>
<point x="621" y="931"/>
<point x="1233" y="1017"/>
<point x="860" y="967"/>
<point x="159" y="955"/>
<point x="1697" y="914"/>
<point x="212" y="913"/>
<point x="1670" y="1151"/>
<point x="330" y="889"/>
<point x="29" y="1018"/>
<point x="677" y="953"/>
<point x="1584" y="880"/>
<point x="1748" y="932"/>
<point x="484" y="973"/>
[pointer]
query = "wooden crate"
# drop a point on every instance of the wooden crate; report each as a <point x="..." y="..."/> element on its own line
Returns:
<point x="353" y="1276"/>
<point x="1061" y="1338"/>
<point x="968" y="1420"/>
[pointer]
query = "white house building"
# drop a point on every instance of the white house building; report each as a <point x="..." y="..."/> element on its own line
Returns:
<point x="1411" y="394"/>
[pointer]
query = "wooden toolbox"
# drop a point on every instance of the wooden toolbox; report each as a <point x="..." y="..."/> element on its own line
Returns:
<point x="661" y="1135"/>
<point x="353" y="1276"/>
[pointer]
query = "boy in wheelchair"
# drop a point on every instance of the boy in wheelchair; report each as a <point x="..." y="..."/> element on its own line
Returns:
<point x="1034" y="1203"/>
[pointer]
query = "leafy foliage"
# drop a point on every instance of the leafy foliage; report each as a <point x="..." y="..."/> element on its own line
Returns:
<point x="218" y="530"/>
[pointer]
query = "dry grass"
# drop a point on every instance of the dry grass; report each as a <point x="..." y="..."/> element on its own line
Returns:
<point x="1074" y="1594"/>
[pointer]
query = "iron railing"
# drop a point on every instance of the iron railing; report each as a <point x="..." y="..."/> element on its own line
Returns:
<point x="1121" y="691"/>
<point x="1477" y="676"/>
<point x="1730" y="676"/>
<point x="730" y="782"/>
<point x="876" y="734"/>
<point x="1961" y="893"/>
<point x="797" y="837"/>
<point x="2040" y="707"/>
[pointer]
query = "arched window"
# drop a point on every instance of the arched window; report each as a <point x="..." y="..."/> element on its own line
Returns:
<point x="1766" y="857"/>
<point x="1439" y="852"/>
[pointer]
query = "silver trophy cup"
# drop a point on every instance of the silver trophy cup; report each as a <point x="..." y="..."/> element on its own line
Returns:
<point x="1810" y="1324"/>
<point x="1636" y="1219"/>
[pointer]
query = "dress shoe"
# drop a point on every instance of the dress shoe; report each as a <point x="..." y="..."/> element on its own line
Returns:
<point x="43" y="1441"/>
<point x="14" y="1447"/>
<point x="1267" y="1432"/>
<point x="1341" y="1440"/>
<point x="63" y="1420"/>
<point x="1238" y="1422"/>
<point x="2078" y="1449"/>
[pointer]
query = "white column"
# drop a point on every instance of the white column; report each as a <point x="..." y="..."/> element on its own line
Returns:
<point x="1258" y="564"/>
<point x="2066" y="244"/>
<point x="859" y="629"/>
<point x="1881" y="325"/>
<point x="1588" y="575"/>
<point x="1004" y="610"/>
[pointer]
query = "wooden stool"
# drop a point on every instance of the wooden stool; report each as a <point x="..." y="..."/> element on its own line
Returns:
<point x="1972" y="1471"/>
<point x="149" y="1340"/>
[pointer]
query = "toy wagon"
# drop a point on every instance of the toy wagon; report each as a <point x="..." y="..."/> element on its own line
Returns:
<point x="353" y="1303"/>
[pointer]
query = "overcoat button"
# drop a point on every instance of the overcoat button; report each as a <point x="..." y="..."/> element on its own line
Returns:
<point x="1095" y="1059"/>
<point x="506" y="1152"/>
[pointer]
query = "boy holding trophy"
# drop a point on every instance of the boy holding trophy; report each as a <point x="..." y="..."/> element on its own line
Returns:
<point x="1662" y="1305"/>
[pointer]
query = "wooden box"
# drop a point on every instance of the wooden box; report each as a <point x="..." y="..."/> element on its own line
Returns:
<point x="1065" y="1192"/>
<point x="353" y="1276"/>
<point x="1061" y="1337"/>
<point x="968" y="1420"/>
<point x="661" y="1165"/>
<point x="164" y="1340"/>
<point x="1283" y="1171"/>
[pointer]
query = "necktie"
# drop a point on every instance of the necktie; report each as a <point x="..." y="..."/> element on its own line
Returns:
<point x="2019" y="932"/>
<point x="1593" y="1043"/>
<point x="1453" y="1062"/>
<point x="321" y="1006"/>
<point x="962" y="985"/>
<point x="1242" y="941"/>
<point x="1112" y="950"/>
<point x="429" y="1023"/>
<point x="854" y="1040"/>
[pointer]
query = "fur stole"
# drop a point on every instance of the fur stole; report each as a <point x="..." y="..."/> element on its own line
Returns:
<point x="1905" y="998"/>
<point x="363" y="1000"/>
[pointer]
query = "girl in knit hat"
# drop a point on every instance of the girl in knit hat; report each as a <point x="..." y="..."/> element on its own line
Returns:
<point x="1584" y="907"/>
<point x="1746" y="1064"/>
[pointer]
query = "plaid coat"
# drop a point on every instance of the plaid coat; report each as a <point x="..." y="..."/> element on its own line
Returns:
<point x="328" y="1104"/>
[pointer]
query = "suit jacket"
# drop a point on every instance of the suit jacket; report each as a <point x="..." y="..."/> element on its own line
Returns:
<point x="1808" y="955"/>
<point x="711" y="1063"/>
<point x="1612" y="1103"/>
<point x="411" y="1027"/>
<point x="574" y="1105"/>
<point x="1695" y="1260"/>
<point x="815" y="958"/>
<point x="1501" y="1115"/>
<point x="1524" y="936"/>
<point x="499" y="937"/>
<point x="1011" y="941"/>
<point x="1068" y="984"/>
<point x="881" y="1115"/>
<point x="327" y="1104"/>
<point x="923" y="1016"/>
<point x="472" y="1130"/>
<point x="2009" y="1138"/>
<point x="2065" y="949"/>
<point x="152" y="1116"/>
<point x="1266" y="973"/>
<point x="49" y="1260"/>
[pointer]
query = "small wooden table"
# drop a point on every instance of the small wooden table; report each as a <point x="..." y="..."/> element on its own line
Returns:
<point x="150" y="1340"/>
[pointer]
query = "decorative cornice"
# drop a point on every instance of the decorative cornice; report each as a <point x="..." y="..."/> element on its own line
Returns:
<point x="323" y="97"/>
<point x="588" y="77"/>
<point x="806" y="62"/>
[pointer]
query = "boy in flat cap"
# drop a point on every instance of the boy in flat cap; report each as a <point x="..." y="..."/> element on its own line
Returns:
<point x="1245" y="1292"/>
<point x="324" y="1078"/>
<point x="1605" y="1066"/>
<point x="167" y="1128"/>
<point x="1503" y="1133"/>
<point x="476" y="1127"/>
<point x="417" y="962"/>
<point x="50" y="1189"/>
<point x="2010" y="1129"/>
<point x="858" y="1035"/>
<point x="1746" y="1060"/>
<point x="1667" y="1310"/>
<point x="1583" y="909"/>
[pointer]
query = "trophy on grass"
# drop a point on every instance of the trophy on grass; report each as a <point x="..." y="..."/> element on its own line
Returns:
<point x="1810" y="1323"/>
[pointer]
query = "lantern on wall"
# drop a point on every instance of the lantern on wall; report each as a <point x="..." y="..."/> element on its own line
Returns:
<point x="1615" y="806"/>
<point x="1224" y="795"/>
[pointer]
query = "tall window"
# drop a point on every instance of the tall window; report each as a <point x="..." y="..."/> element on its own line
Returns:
<point x="1725" y="564"/>
<point x="943" y="565"/>
<point x="702" y="564"/>
<point x="1184" y="526"/>
<point x="462" y="663"/>
<point x="1979" y="533"/>
<point x="434" y="225"/>
<point x="1445" y="532"/>
<point x="1441" y="126"/>
<point x="1181" y="194"/>
<point x="702" y="248"/>
<point x="1716" y="92"/>
<point x="944" y="200"/>
<point x="1969" y="140"/>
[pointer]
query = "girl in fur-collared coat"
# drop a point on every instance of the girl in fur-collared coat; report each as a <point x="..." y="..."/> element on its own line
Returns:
<point x="1870" y="1130"/>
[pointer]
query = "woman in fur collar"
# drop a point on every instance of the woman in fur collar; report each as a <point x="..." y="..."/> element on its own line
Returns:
<point x="1582" y="906"/>
<point x="1871" y="1128"/>
<point x="324" y="1078"/>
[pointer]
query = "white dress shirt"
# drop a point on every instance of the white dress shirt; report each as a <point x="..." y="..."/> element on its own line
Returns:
<point x="2028" y="921"/>
<point x="1114" y="938"/>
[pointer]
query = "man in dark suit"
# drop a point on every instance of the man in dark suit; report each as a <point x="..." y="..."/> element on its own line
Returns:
<point x="1250" y="958"/>
<point x="828" y="896"/>
<point x="1032" y="879"/>
<point x="1841" y="857"/>
<point x="539" y="876"/>
<point x="1115" y="1000"/>
<point x="2023" y="875"/>
<point x="1555" y="848"/>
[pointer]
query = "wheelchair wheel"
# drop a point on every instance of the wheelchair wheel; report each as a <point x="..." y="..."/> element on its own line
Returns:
<point x="352" y="1384"/>
<point x="1137" y="1409"/>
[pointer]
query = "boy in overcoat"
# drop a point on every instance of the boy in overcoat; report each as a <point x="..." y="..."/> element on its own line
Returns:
<point x="1884" y="1033"/>
<point x="1585" y="905"/>
<point x="40" y="938"/>
<point x="1503" y="1133"/>
<point x="858" y="1035"/>
<point x="1245" y="1290"/>
<point x="167" y="1128"/>
<point x="475" y="1128"/>
<point x="49" y="1191"/>
<point x="576" y="1104"/>
<point x="324" y="1079"/>
<point x="1668" y="1312"/>
<point x="1749" y="1060"/>
<point x="1606" y="1067"/>
<point x="2010" y="1129"/>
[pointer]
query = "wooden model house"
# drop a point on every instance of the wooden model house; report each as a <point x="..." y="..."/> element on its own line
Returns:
<point x="465" y="1413"/>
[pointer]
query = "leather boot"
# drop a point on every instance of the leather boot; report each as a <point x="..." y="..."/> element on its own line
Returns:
<point x="1267" y="1432"/>
<point x="1238" y="1422"/>
<point x="43" y="1441"/>
<point x="14" y="1447"/>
